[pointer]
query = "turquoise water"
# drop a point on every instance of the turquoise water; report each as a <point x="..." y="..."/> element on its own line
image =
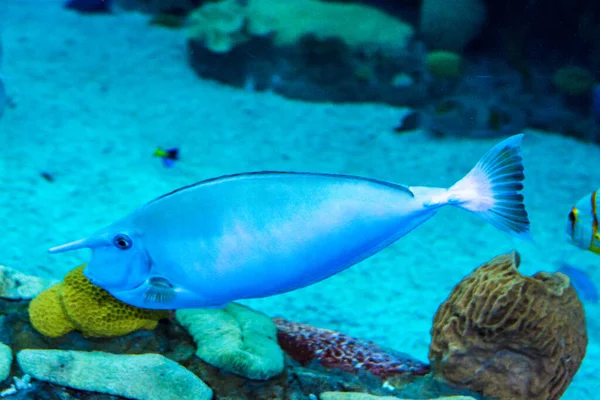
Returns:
<point x="95" y="95"/>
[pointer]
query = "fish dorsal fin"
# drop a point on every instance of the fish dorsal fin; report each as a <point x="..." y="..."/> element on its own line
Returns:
<point x="246" y="175"/>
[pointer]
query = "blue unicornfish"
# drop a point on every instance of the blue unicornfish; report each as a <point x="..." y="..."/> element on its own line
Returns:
<point x="168" y="156"/>
<point x="582" y="224"/>
<point x="259" y="234"/>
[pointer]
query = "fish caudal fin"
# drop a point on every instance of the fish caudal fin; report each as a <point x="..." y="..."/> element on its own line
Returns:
<point x="492" y="189"/>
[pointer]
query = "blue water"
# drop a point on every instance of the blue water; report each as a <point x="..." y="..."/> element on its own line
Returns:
<point x="93" y="96"/>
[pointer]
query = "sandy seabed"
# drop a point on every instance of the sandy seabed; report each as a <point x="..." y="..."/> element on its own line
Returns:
<point x="95" y="95"/>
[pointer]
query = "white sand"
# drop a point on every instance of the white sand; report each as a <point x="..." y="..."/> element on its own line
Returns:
<point x="96" y="94"/>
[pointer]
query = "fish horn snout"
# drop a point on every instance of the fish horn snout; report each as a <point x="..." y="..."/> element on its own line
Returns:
<point x="76" y="245"/>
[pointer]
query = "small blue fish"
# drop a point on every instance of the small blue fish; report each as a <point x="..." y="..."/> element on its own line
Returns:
<point x="168" y="156"/>
<point x="260" y="234"/>
<point x="583" y="284"/>
<point x="582" y="226"/>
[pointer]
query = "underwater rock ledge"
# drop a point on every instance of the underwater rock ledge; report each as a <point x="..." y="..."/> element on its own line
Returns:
<point x="171" y="342"/>
<point x="487" y="328"/>
<point x="308" y="50"/>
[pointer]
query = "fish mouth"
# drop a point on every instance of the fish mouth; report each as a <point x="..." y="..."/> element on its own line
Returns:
<point x="93" y="280"/>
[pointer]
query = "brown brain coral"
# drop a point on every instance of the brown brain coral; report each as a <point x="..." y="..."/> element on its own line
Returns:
<point x="510" y="336"/>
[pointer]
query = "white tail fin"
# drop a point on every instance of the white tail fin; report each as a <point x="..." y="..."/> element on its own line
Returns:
<point x="493" y="189"/>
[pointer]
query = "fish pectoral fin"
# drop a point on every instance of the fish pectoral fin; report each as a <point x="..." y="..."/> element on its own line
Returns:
<point x="159" y="291"/>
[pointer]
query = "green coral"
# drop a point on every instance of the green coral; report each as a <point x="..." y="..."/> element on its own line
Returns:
<point x="444" y="64"/>
<point x="573" y="80"/>
<point x="223" y="25"/>
<point x="235" y="339"/>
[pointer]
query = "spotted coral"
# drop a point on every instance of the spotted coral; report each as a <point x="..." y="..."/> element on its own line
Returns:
<point x="306" y="344"/>
<point x="509" y="336"/>
<point x="77" y="304"/>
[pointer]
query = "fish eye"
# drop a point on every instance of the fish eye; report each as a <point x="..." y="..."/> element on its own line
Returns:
<point x="572" y="216"/>
<point x="122" y="241"/>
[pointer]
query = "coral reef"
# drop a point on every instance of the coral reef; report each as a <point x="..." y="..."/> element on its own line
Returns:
<point x="306" y="344"/>
<point x="59" y="359"/>
<point x="510" y="336"/>
<point x="171" y="340"/>
<point x="143" y="377"/>
<point x="307" y="49"/>
<point x="226" y="23"/>
<point x="235" y="339"/>
<point x="77" y="304"/>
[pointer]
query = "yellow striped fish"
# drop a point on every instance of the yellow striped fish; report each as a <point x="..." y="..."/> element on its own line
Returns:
<point x="582" y="227"/>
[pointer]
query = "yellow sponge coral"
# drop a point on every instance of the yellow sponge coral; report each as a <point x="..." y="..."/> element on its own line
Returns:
<point x="47" y="315"/>
<point x="78" y="304"/>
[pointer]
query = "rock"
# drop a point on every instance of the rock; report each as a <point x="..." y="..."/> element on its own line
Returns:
<point x="16" y="285"/>
<point x="5" y="361"/>
<point x="236" y="339"/>
<point x="509" y="336"/>
<point x="410" y="122"/>
<point x="144" y="377"/>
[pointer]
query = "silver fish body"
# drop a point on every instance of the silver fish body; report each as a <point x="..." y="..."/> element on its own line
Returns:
<point x="260" y="234"/>
<point x="256" y="235"/>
